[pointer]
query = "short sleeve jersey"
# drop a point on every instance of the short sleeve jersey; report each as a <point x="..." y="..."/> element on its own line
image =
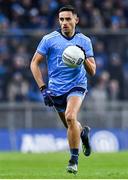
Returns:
<point x="62" y="78"/>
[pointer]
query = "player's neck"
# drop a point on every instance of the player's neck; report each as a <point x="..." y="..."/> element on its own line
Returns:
<point x="68" y="34"/>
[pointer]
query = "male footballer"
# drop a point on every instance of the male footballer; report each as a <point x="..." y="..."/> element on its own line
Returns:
<point x="67" y="86"/>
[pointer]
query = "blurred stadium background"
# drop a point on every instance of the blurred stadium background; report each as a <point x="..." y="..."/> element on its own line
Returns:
<point x="25" y="123"/>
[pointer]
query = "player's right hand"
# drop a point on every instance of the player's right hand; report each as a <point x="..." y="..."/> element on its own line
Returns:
<point x="47" y="97"/>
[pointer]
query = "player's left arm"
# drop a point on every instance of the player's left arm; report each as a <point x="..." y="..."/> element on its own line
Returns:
<point x="90" y="65"/>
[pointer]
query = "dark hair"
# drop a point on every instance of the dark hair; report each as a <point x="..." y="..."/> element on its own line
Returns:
<point x="68" y="8"/>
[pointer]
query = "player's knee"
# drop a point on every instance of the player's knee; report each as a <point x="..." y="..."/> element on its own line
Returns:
<point x="79" y="125"/>
<point x="70" y="118"/>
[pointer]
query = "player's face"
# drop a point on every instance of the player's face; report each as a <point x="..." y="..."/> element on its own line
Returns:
<point x="68" y="22"/>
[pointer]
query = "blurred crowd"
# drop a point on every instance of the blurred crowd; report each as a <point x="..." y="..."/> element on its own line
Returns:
<point x="16" y="50"/>
<point x="96" y="14"/>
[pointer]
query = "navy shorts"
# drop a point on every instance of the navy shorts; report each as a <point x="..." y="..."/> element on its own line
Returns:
<point x="60" y="102"/>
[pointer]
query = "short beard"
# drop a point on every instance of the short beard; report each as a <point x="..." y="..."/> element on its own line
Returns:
<point x="68" y="34"/>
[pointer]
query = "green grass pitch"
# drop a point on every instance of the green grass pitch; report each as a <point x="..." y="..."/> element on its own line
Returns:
<point x="53" y="166"/>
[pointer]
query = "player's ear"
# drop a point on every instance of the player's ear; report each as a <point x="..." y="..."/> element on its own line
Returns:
<point x="77" y="19"/>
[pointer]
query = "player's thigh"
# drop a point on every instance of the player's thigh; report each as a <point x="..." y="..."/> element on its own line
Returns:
<point x="73" y="106"/>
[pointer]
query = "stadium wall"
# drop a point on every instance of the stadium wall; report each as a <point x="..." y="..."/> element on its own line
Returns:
<point x="52" y="140"/>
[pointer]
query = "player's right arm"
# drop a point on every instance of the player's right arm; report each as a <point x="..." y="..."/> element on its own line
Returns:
<point x="35" y="68"/>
